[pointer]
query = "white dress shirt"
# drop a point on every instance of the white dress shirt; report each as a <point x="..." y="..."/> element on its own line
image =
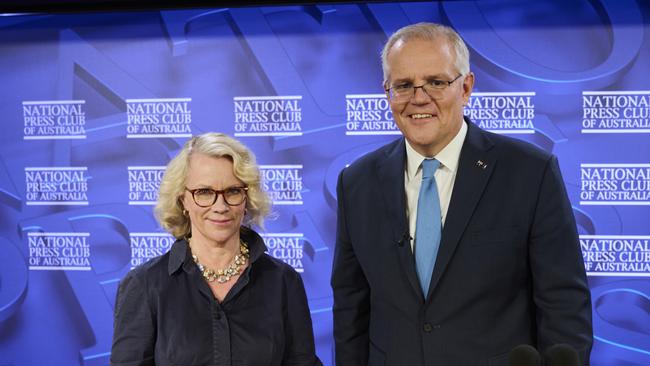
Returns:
<point x="445" y="177"/>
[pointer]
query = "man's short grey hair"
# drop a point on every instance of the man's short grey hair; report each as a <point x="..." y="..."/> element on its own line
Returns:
<point x="428" y="31"/>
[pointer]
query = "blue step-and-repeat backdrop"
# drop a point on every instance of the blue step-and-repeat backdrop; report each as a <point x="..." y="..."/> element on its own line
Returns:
<point x="93" y="105"/>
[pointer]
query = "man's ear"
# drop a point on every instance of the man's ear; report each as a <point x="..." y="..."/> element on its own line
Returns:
<point x="468" y="86"/>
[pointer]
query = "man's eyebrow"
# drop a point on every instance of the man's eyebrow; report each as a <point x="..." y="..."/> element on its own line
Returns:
<point x="402" y="81"/>
<point x="439" y="77"/>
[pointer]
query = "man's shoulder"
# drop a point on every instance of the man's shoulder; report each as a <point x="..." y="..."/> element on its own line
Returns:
<point x="372" y="158"/>
<point x="515" y="149"/>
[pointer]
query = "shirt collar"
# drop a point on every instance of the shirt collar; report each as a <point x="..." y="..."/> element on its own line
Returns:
<point x="448" y="156"/>
<point x="180" y="256"/>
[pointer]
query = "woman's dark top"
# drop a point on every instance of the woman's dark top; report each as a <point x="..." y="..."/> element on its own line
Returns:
<point x="166" y="314"/>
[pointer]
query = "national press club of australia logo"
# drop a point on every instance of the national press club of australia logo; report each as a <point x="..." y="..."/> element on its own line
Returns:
<point x="502" y="112"/>
<point x="615" y="184"/>
<point x="159" y="117"/>
<point x="54" y="119"/>
<point x="283" y="183"/>
<point x="287" y="247"/>
<point x="368" y="114"/>
<point x="58" y="251"/>
<point x="144" y="182"/>
<point x="616" y="255"/>
<point x="56" y="186"/>
<point x="268" y="116"/>
<point x="616" y="111"/>
<point x="145" y="246"/>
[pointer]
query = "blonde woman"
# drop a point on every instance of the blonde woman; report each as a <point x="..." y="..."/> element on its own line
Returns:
<point x="216" y="298"/>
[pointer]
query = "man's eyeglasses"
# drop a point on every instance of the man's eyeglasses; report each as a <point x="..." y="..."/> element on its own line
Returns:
<point x="206" y="197"/>
<point x="404" y="92"/>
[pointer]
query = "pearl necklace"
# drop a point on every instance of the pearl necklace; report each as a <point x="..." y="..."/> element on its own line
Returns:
<point x="224" y="275"/>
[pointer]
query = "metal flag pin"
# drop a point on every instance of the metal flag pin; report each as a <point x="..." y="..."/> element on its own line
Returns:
<point x="481" y="164"/>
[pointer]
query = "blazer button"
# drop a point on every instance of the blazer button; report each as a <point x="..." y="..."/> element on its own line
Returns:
<point x="427" y="327"/>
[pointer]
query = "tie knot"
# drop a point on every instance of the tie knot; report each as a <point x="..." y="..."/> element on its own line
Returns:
<point x="429" y="167"/>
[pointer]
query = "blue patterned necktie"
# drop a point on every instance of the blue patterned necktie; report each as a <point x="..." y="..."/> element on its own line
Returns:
<point x="428" y="225"/>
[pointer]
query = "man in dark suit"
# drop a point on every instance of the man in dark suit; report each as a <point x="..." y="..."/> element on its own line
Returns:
<point x="496" y="263"/>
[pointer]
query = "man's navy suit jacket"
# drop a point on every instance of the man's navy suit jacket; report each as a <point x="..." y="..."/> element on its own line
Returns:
<point x="509" y="270"/>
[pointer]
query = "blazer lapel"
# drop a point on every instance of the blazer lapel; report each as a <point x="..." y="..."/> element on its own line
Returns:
<point x="474" y="170"/>
<point x="391" y="178"/>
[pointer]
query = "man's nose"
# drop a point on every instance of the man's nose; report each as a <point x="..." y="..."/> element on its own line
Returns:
<point x="420" y="96"/>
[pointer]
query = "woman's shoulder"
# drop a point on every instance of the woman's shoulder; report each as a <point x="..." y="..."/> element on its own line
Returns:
<point x="158" y="267"/>
<point x="270" y="263"/>
<point x="272" y="268"/>
<point x="260" y="257"/>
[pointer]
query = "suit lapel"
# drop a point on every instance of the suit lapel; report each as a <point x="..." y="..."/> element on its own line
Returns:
<point x="391" y="178"/>
<point x="475" y="167"/>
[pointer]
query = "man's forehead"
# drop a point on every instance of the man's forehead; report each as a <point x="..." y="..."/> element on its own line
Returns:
<point x="436" y="41"/>
<point x="410" y="50"/>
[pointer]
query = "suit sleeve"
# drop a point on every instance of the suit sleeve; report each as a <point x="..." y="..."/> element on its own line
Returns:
<point x="560" y="289"/>
<point x="351" y="294"/>
<point x="134" y="325"/>
<point x="300" y="336"/>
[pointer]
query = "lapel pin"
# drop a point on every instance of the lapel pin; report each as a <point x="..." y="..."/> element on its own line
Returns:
<point x="481" y="164"/>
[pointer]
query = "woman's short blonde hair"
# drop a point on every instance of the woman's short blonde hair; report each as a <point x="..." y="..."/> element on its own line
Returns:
<point x="169" y="208"/>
